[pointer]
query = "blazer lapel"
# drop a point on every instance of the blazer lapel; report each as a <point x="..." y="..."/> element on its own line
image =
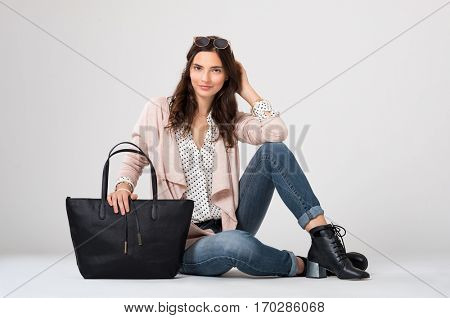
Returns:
<point x="171" y="155"/>
<point x="221" y="178"/>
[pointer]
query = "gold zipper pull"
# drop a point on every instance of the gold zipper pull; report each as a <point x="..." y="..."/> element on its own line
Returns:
<point x="125" y="247"/>
<point x="139" y="238"/>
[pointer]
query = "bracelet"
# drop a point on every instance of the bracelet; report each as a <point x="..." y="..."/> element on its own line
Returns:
<point x="124" y="179"/>
<point x="129" y="184"/>
<point x="124" y="190"/>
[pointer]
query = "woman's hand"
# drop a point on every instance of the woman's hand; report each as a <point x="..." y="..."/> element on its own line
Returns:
<point x="119" y="199"/>
<point x="243" y="77"/>
<point x="247" y="92"/>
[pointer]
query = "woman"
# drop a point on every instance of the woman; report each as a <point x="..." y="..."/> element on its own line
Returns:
<point x="191" y="138"/>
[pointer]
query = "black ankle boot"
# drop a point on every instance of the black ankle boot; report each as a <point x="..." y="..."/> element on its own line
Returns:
<point x="358" y="260"/>
<point x="327" y="252"/>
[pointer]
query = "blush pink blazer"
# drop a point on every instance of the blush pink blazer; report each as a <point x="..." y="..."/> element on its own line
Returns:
<point x="162" y="149"/>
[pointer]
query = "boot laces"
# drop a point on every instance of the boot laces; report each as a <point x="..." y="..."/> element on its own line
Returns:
<point x="339" y="245"/>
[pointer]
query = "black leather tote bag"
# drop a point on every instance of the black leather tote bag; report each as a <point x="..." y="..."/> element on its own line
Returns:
<point x="146" y="243"/>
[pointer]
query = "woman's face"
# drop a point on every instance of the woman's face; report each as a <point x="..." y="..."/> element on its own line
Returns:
<point x="207" y="74"/>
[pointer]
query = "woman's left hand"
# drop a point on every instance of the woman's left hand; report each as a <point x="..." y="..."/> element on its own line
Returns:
<point x="244" y="79"/>
<point x="246" y="90"/>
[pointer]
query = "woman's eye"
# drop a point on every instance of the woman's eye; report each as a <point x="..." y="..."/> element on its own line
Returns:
<point x="196" y="68"/>
<point x="218" y="71"/>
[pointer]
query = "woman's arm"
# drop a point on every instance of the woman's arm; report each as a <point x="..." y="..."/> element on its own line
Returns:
<point x="248" y="93"/>
<point x="144" y="129"/>
<point x="263" y="124"/>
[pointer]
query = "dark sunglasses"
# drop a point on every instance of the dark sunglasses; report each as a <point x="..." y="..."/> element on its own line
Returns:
<point x="203" y="41"/>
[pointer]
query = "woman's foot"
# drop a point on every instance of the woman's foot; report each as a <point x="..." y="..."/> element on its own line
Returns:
<point x="318" y="220"/>
<point x="327" y="252"/>
<point x="358" y="260"/>
<point x="301" y="265"/>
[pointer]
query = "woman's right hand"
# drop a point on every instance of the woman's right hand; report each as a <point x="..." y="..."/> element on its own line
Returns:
<point x="119" y="199"/>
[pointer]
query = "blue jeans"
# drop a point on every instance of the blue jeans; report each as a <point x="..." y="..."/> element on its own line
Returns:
<point x="272" y="166"/>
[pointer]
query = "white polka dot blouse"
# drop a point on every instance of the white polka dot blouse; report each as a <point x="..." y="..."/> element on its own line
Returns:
<point x="198" y="164"/>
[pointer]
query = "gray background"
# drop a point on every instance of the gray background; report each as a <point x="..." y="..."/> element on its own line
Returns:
<point x="374" y="112"/>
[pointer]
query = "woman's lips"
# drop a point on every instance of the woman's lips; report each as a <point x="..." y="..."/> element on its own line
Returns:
<point x="205" y="87"/>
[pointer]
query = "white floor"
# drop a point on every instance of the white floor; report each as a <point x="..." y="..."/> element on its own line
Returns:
<point x="58" y="276"/>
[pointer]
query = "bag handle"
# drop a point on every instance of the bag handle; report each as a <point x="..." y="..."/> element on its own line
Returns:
<point x="102" y="212"/>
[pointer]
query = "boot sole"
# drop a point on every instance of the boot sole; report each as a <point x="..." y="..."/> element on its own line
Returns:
<point x="315" y="270"/>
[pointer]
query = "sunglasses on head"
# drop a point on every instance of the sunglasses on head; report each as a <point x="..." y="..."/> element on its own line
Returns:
<point x="203" y="41"/>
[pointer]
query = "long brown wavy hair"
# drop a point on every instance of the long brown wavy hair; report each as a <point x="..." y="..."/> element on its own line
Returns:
<point x="183" y="104"/>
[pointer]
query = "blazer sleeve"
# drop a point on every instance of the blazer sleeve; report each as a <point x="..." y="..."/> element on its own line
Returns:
<point x="144" y="133"/>
<point x="255" y="130"/>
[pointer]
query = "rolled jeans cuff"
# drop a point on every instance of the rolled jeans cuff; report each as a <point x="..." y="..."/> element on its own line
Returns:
<point x="309" y="215"/>
<point x="294" y="268"/>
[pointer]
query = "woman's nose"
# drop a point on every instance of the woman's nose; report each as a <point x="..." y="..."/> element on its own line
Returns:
<point x="205" y="77"/>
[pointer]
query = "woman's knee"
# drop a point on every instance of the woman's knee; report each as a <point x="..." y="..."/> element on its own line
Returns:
<point x="276" y="151"/>
<point x="236" y="243"/>
<point x="277" y="155"/>
<point x="227" y="250"/>
<point x="274" y="147"/>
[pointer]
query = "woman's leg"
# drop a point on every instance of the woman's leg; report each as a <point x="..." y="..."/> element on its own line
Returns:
<point x="216" y="254"/>
<point x="272" y="166"/>
<point x="275" y="166"/>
